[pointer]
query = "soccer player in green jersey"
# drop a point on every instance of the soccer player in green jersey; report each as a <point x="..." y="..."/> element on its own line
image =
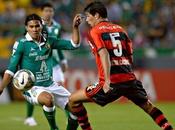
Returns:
<point x="52" y="29"/>
<point x="34" y="52"/>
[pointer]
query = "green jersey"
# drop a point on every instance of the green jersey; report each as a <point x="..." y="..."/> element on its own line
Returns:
<point x="54" y="31"/>
<point x="37" y="57"/>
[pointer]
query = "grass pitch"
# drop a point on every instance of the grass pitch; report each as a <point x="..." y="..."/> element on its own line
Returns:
<point x="115" y="116"/>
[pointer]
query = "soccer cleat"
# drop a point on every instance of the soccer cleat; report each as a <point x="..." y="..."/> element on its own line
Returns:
<point x="30" y="121"/>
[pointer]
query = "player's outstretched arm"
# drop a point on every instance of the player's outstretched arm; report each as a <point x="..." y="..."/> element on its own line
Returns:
<point x="5" y="81"/>
<point x="75" y="31"/>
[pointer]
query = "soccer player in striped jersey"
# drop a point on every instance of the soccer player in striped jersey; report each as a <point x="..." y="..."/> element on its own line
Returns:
<point x="34" y="52"/>
<point x="113" y="51"/>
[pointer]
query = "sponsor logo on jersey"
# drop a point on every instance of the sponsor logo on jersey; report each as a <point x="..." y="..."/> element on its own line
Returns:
<point x="32" y="49"/>
<point x="109" y="27"/>
<point x="33" y="52"/>
<point x="41" y="57"/>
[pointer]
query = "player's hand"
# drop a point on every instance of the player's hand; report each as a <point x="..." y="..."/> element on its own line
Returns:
<point x="77" y="20"/>
<point x="106" y="87"/>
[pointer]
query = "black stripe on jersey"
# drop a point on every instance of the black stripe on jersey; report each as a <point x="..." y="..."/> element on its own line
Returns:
<point x="122" y="36"/>
<point x="124" y="53"/>
<point x="105" y="36"/>
<point x="121" y="69"/>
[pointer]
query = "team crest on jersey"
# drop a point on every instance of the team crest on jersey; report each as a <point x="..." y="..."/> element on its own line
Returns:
<point x="47" y="46"/>
<point x="91" y="87"/>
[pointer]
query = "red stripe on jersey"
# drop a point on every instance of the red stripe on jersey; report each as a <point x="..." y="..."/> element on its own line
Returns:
<point x="118" y="78"/>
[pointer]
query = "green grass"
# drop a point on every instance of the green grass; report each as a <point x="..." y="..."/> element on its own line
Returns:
<point x="115" y="116"/>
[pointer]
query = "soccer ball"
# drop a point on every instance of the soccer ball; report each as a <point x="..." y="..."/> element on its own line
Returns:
<point x="23" y="80"/>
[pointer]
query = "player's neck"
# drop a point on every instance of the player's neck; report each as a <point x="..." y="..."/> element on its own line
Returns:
<point x="38" y="39"/>
<point x="48" y="22"/>
<point x="101" y="20"/>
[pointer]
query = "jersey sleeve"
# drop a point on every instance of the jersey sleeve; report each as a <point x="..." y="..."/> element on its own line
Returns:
<point x="97" y="39"/>
<point x="62" y="44"/>
<point x="15" y="58"/>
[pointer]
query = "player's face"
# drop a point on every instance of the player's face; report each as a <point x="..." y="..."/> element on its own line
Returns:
<point x="90" y="19"/>
<point x="34" y="28"/>
<point x="48" y="13"/>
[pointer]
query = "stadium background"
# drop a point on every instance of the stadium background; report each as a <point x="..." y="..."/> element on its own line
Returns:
<point x="149" y="23"/>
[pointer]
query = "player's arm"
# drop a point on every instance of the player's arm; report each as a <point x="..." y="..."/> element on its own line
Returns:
<point x="13" y="65"/>
<point x="74" y="42"/>
<point x="104" y="56"/>
<point x="75" y="31"/>
<point x="5" y="81"/>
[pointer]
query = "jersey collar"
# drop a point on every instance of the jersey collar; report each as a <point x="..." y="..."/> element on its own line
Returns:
<point x="29" y="38"/>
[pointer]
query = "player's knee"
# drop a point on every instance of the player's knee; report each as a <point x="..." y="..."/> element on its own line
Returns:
<point x="49" y="100"/>
<point x="72" y="101"/>
<point x="46" y="99"/>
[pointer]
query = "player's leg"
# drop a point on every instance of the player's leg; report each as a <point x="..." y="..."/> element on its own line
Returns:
<point x="157" y="115"/>
<point x="94" y="93"/>
<point x="29" y="118"/>
<point x="61" y="97"/>
<point x="76" y="107"/>
<point x="47" y="101"/>
<point x="72" y="123"/>
<point x="58" y="77"/>
<point x="44" y="98"/>
<point x="139" y="97"/>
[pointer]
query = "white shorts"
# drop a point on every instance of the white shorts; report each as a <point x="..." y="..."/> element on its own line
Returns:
<point x="60" y="94"/>
<point x="58" y="75"/>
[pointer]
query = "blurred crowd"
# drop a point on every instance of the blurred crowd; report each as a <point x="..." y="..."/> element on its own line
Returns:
<point x="149" y="23"/>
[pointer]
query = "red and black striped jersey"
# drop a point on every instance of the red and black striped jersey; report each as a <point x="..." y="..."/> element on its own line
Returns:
<point x="119" y="46"/>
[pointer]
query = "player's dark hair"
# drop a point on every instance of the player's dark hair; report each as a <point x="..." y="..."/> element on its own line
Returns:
<point x="32" y="17"/>
<point x="96" y="7"/>
<point x="45" y="5"/>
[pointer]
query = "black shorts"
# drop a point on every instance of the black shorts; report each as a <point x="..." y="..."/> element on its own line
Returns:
<point x="133" y="90"/>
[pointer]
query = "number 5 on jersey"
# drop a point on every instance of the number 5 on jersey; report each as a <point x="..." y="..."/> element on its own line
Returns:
<point x="116" y="43"/>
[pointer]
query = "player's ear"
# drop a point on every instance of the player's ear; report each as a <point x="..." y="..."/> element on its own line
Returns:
<point x="41" y="26"/>
<point x="26" y="28"/>
<point x="96" y="15"/>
